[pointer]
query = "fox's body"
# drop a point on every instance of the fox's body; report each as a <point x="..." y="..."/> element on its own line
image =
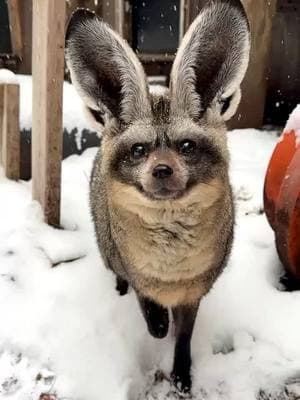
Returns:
<point x="171" y="252"/>
<point x="160" y="194"/>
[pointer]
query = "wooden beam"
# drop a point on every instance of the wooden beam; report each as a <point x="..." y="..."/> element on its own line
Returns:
<point x="15" y="26"/>
<point x="24" y="65"/>
<point x="254" y="87"/>
<point x="113" y="12"/>
<point x="189" y="14"/>
<point x="10" y="145"/>
<point x="48" y="71"/>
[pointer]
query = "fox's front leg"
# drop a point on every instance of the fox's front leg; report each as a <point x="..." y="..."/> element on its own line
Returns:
<point x="184" y="318"/>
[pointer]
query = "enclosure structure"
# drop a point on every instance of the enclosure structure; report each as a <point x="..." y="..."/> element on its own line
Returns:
<point x="9" y="129"/>
<point x="48" y="72"/>
<point x="47" y="78"/>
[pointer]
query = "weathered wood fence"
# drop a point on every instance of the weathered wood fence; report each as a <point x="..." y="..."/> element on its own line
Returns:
<point x="49" y="19"/>
<point x="47" y="73"/>
<point x="47" y="80"/>
<point x="10" y="132"/>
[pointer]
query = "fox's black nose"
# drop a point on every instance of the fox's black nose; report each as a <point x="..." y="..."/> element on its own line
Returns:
<point x="162" y="171"/>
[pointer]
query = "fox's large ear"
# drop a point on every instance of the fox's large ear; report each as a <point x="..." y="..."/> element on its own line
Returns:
<point x="105" y="70"/>
<point x="211" y="61"/>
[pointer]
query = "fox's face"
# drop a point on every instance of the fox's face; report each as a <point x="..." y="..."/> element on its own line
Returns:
<point x="164" y="158"/>
<point x="163" y="146"/>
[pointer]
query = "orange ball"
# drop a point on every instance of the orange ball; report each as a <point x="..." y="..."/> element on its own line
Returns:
<point x="282" y="198"/>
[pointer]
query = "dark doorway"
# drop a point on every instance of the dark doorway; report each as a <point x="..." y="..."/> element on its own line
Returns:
<point x="5" y="42"/>
<point x="155" y="26"/>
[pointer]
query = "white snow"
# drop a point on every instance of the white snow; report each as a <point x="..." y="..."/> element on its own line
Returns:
<point x="7" y="76"/>
<point x="73" y="117"/>
<point x="158" y="89"/>
<point x="65" y="323"/>
<point x="73" y="111"/>
<point x="294" y="123"/>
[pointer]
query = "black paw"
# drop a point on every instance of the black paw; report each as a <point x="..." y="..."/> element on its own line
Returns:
<point x="289" y="282"/>
<point x="182" y="380"/>
<point x="158" y="323"/>
<point x="122" y="286"/>
<point x="156" y="317"/>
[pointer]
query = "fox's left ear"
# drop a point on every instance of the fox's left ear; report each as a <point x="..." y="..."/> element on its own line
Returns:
<point x="211" y="62"/>
<point x="105" y="71"/>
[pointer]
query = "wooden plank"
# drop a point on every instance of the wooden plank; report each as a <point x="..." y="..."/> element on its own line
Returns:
<point x="48" y="71"/>
<point x="113" y="13"/>
<point x="254" y="87"/>
<point x="15" y="26"/>
<point x="284" y="84"/>
<point x="127" y="22"/>
<point x="189" y="13"/>
<point x="24" y="66"/>
<point x="11" y="131"/>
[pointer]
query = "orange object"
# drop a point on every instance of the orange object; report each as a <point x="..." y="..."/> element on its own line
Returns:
<point x="282" y="195"/>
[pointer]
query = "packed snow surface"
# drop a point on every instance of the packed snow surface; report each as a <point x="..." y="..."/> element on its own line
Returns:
<point x="65" y="330"/>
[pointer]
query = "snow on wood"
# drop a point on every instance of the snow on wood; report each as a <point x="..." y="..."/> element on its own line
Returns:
<point x="7" y="76"/>
<point x="73" y="115"/>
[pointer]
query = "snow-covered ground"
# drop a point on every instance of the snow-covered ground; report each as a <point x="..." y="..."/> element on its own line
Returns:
<point x="64" y="330"/>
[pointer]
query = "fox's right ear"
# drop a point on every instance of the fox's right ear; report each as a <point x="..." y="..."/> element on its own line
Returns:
<point x="211" y="61"/>
<point x="105" y="71"/>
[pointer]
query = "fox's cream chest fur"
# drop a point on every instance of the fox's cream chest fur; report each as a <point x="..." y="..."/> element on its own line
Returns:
<point x="179" y="244"/>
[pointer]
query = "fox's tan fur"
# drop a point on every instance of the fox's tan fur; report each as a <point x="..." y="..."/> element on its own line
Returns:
<point x="177" y="243"/>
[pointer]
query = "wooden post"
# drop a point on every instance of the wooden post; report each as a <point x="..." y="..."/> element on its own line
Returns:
<point x="25" y="7"/>
<point x="113" y="13"/>
<point x="48" y="72"/>
<point x="15" y="26"/>
<point x="10" y="132"/>
<point x="254" y="87"/>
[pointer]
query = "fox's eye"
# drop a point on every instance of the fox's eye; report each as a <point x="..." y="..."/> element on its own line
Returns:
<point x="187" y="147"/>
<point x="138" y="151"/>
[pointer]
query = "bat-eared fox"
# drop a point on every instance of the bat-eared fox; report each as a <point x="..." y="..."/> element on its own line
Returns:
<point x="160" y="194"/>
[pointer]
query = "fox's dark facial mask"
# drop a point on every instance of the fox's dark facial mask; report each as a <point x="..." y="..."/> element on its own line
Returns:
<point x="164" y="162"/>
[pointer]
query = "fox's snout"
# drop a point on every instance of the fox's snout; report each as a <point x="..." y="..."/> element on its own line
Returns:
<point x="164" y="175"/>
